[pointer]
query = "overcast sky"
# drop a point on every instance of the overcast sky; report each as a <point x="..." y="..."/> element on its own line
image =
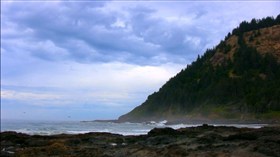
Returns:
<point x="99" y="60"/>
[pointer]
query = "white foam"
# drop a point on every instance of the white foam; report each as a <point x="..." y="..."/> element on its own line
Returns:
<point x="163" y="122"/>
<point x="113" y="144"/>
<point x="254" y="126"/>
<point x="77" y="132"/>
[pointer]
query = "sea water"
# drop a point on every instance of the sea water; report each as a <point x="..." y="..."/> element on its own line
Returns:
<point x="78" y="127"/>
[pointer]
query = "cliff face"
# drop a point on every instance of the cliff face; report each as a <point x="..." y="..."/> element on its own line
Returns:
<point x="265" y="41"/>
<point x="238" y="79"/>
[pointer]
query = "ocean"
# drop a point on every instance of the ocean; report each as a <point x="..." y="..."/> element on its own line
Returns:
<point x="78" y="127"/>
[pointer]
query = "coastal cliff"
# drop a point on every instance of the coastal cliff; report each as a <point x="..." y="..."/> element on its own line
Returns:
<point x="239" y="80"/>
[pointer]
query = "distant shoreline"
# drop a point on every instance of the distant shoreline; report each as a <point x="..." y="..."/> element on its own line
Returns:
<point x="196" y="121"/>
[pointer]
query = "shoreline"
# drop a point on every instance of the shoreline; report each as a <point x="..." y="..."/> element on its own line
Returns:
<point x="204" y="140"/>
<point x="190" y="121"/>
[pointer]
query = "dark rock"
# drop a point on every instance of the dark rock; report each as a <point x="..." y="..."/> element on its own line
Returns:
<point x="209" y="138"/>
<point x="162" y="131"/>
<point x="243" y="136"/>
<point x="269" y="148"/>
<point x="159" y="140"/>
<point x="195" y="141"/>
<point x="175" y="151"/>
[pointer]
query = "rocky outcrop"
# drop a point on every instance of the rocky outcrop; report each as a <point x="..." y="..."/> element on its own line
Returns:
<point x="195" y="141"/>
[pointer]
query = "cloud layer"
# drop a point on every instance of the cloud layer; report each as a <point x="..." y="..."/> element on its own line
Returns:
<point x="98" y="55"/>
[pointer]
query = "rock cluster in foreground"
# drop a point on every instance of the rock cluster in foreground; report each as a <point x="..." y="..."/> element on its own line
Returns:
<point x="195" y="141"/>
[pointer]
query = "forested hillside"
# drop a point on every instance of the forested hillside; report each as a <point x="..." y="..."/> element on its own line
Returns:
<point x="240" y="76"/>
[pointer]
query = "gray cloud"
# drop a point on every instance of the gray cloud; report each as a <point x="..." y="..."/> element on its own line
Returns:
<point x="138" y="34"/>
<point x="86" y="33"/>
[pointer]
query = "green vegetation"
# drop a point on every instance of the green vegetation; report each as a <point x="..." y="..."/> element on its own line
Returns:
<point x="255" y="25"/>
<point x="270" y="115"/>
<point x="205" y="88"/>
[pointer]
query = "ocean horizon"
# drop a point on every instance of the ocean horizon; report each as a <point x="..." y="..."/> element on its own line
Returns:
<point x="44" y="127"/>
